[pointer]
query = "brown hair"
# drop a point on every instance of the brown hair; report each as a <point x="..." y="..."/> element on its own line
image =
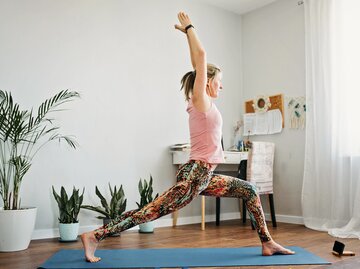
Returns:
<point x="188" y="80"/>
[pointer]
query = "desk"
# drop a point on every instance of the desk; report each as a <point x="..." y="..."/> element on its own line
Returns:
<point x="232" y="158"/>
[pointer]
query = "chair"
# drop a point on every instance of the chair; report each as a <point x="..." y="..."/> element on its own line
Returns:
<point x="258" y="169"/>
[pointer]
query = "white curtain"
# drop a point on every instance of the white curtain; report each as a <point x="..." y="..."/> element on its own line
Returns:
<point x="331" y="186"/>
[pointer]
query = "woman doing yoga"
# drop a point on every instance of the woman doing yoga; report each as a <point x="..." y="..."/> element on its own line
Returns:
<point x="196" y="176"/>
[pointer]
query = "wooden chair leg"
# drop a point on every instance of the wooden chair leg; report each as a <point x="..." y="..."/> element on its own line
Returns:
<point x="217" y="211"/>
<point x="175" y="217"/>
<point x="202" y="213"/>
<point x="272" y="210"/>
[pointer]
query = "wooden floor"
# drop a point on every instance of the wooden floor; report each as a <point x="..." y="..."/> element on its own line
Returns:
<point x="228" y="234"/>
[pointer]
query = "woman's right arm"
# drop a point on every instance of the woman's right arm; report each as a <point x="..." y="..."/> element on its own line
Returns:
<point x="198" y="59"/>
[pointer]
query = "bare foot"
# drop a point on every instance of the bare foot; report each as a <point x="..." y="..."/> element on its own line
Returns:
<point x="90" y="244"/>
<point x="271" y="247"/>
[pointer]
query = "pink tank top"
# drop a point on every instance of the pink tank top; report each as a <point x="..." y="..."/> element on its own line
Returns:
<point x="205" y="134"/>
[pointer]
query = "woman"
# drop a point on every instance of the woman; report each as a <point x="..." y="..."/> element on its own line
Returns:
<point x="195" y="177"/>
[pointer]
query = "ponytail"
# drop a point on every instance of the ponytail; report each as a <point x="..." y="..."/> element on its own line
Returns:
<point x="187" y="84"/>
<point x="188" y="80"/>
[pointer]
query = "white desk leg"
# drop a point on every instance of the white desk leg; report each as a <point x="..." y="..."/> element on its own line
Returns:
<point x="202" y="213"/>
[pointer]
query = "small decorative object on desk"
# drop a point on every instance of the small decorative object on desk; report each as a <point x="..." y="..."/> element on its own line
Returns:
<point x="180" y="147"/>
<point x="237" y="137"/>
<point x="243" y="145"/>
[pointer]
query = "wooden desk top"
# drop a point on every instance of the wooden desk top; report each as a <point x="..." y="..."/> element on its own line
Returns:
<point x="231" y="157"/>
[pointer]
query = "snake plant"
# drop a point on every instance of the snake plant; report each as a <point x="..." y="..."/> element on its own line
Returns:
<point x="146" y="192"/>
<point x="110" y="210"/>
<point x="69" y="208"/>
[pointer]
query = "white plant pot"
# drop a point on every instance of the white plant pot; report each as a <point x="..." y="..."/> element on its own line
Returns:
<point x="147" y="227"/>
<point x="16" y="228"/>
<point x="68" y="231"/>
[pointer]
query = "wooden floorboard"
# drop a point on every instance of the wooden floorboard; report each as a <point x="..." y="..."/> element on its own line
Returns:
<point x="228" y="234"/>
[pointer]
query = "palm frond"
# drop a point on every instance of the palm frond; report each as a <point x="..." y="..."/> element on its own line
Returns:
<point x="53" y="102"/>
<point x="22" y="135"/>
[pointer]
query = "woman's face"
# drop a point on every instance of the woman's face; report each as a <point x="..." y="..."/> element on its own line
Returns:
<point x="214" y="85"/>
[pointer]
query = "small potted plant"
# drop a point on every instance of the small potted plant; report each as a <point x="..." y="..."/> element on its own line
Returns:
<point x="69" y="209"/>
<point x="112" y="210"/>
<point x="146" y="196"/>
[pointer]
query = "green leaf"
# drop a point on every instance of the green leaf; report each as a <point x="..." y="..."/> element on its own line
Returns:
<point x="116" y="206"/>
<point x="97" y="209"/>
<point x="102" y="199"/>
<point x="69" y="208"/>
<point x="24" y="134"/>
<point x="146" y="192"/>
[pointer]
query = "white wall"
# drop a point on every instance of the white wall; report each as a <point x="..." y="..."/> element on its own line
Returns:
<point x="126" y="60"/>
<point x="273" y="63"/>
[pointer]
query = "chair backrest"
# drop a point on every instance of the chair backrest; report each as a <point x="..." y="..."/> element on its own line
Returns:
<point x="260" y="166"/>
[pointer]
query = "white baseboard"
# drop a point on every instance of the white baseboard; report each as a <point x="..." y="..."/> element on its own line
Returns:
<point x="167" y="222"/>
<point x="287" y="219"/>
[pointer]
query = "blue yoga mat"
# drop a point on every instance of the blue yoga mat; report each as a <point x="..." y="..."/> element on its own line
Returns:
<point x="179" y="257"/>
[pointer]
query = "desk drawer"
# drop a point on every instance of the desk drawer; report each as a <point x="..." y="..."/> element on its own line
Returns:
<point x="235" y="157"/>
<point x="180" y="157"/>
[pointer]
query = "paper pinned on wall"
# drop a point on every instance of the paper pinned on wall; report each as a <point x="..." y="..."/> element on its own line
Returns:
<point x="297" y="112"/>
<point x="269" y="122"/>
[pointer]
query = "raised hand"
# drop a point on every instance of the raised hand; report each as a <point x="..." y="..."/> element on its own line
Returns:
<point x="184" y="21"/>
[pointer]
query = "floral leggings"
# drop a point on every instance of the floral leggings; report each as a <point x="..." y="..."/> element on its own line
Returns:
<point x="193" y="178"/>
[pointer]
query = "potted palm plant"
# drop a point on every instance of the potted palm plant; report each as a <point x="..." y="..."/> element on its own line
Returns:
<point x="69" y="209"/>
<point x="22" y="134"/>
<point x="111" y="210"/>
<point x="146" y="196"/>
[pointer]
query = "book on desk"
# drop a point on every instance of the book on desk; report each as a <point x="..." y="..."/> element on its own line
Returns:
<point x="180" y="147"/>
